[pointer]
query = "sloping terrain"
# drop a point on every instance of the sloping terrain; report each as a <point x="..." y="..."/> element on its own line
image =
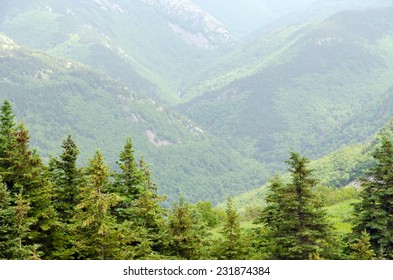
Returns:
<point x="339" y="169"/>
<point x="149" y="45"/>
<point x="304" y="93"/>
<point x="55" y="97"/>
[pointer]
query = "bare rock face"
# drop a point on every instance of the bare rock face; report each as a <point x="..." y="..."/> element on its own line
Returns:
<point x="192" y="24"/>
<point x="109" y="5"/>
<point x="6" y="43"/>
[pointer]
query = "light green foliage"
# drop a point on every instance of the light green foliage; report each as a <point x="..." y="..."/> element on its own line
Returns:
<point x="209" y="215"/>
<point x="335" y="170"/>
<point x="341" y="216"/>
<point x="362" y="248"/>
<point x="341" y="167"/>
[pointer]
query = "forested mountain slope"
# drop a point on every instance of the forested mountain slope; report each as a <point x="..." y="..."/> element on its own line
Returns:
<point x="55" y="97"/>
<point x="341" y="168"/>
<point x="301" y="87"/>
<point x="150" y="45"/>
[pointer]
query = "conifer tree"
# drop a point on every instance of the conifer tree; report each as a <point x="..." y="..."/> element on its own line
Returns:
<point x="148" y="216"/>
<point x="232" y="246"/>
<point x="27" y="171"/>
<point x="66" y="178"/>
<point x="8" y="228"/>
<point x="184" y="240"/>
<point x="15" y="228"/>
<point x="361" y="248"/>
<point x="7" y="141"/>
<point x="128" y="183"/>
<point x="7" y="126"/>
<point x="131" y="175"/>
<point x="97" y="236"/>
<point x="374" y="213"/>
<point x="25" y="248"/>
<point x="24" y="174"/>
<point x="296" y="221"/>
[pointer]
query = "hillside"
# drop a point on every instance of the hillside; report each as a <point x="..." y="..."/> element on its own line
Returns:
<point x="340" y="169"/>
<point x="301" y="87"/>
<point x="151" y="46"/>
<point x="55" y="97"/>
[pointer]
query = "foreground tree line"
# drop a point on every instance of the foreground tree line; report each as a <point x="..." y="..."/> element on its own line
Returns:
<point x="62" y="211"/>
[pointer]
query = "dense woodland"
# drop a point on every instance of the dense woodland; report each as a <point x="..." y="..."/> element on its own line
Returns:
<point x="60" y="210"/>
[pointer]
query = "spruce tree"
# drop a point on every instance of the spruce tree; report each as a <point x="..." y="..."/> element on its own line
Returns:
<point x="361" y="248"/>
<point x="8" y="227"/>
<point x="7" y="142"/>
<point x="15" y="230"/>
<point x="24" y="174"/>
<point x="27" y="173"/>
<point x="148" y="216"/>
<point x="131" y="176"/>
<point x="7" y="127"/>
<point x="374" y="213"/>
<point x="232" y="246"/>
<point x="184" y="241"/>
<point x="127" y="183"/>
<point x="25" y="248"/>
<point x="66" y="178"/>
<point x="296" y="221"/>
<point x="96" y="232"/>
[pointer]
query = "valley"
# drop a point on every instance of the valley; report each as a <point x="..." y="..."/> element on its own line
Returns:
<point x="194" y="129"/>
<point x="214" y="106"/>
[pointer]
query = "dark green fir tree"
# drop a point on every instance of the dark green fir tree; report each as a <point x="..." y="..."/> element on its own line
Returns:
<point x="148" y="217"/>
<point x="185" y="241"/>
<point x="66" y="178"/>
<point x="232" y="246"/>
<point x="128" y="183"/>
<point x="296" y="221"/>
<point x="8" y="228"/>
<point x="95" y="228"/>
<point x="374" y="213"/>
<point x="24" y="174"/>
